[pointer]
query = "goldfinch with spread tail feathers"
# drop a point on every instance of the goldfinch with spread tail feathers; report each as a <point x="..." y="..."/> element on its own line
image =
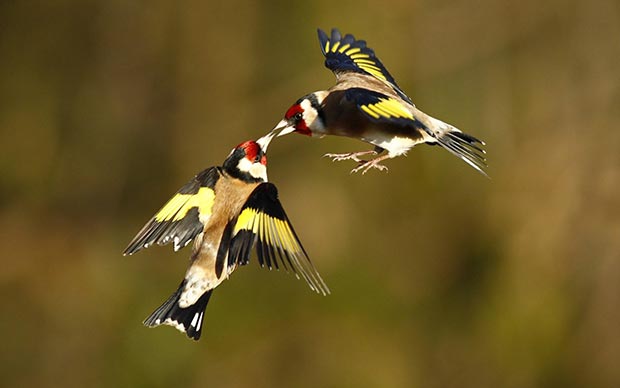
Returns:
<point x="227" y="211"/>
<point x="367" y="104"/>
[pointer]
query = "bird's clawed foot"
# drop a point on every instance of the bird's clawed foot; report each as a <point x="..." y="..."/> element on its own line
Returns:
<point x="366" y="165"/>
<point x="350" y="156"/>
<point x="363" y="165"/>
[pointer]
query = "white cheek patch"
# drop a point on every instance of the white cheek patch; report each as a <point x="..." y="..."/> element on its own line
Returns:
<point x="244" y="165"/>
<point x="311" y="116"/>
<point x="257" y="170"/>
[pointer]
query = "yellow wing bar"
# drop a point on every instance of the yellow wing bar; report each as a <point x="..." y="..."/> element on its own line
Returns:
<point x="178" y="206"/>
<point x="263" y="224"/>
<point x="183" y="217"/>
<point x="271" y="230"/>
<point x="387" y="108"/>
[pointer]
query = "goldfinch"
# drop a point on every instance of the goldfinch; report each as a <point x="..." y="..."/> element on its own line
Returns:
<point x="227" y="211"/>
<point x="367" y="104"/>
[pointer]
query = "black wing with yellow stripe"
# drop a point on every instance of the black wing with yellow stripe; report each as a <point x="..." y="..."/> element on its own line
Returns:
<point x="381" y="108"/>
<point x="345" y="54"/>
<point x="182" y="217"/>
<point x="384" y="109"/>
<point x="263" y="223"/>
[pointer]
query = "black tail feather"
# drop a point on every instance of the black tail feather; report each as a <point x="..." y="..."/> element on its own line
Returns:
<point x="188" y="320"/>
<point x="466" y="147"/>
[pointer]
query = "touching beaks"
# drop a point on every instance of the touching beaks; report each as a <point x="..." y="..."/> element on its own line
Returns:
<point x="286" y="131"/>
<point x="264" y="141"/>
<point x="284" y="128"/>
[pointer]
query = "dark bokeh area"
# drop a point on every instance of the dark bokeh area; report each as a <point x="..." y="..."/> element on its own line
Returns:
<point x="439" y="277"/>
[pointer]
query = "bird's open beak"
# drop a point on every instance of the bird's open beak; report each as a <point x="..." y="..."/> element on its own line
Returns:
<point x="283" y="128"/>
<point x="264" y="141"/>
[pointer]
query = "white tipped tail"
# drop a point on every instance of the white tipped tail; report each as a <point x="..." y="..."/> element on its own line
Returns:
<point x="466" y="147"/>
<point x="187" y="320"/>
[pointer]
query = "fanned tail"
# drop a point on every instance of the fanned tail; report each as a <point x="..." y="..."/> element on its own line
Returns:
<point x="466" y="147"/>
<point x="187" y="320"/>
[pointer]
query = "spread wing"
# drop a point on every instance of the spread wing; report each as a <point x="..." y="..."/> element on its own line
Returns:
<point x="263" y="223"/>
<point x="346" y="54"/>
<point x="182" y="217"/>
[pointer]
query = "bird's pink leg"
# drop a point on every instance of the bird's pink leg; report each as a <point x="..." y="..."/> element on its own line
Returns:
<point x="350" y="156"/>
<point x="366" y="165"/>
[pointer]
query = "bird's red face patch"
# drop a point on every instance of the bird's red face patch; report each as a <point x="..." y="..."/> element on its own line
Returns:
<point x="295" y="116"/>
<point x="293" y="110"/>
<point x="251" y="148"/>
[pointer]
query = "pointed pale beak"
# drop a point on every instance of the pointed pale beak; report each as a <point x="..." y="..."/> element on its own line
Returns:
<point x="283" y="128"/>
<point x="264" y="141"/>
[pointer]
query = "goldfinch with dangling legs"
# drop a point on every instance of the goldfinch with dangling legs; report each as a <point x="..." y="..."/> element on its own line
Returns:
<point x="367" y="104"/>
<point x="227" y="211"/>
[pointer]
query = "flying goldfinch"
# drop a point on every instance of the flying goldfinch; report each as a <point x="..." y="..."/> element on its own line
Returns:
<point x="367" y="104"/>
<point x="227" y="211"/>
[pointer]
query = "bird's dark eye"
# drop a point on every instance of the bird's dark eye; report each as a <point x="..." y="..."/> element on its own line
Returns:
<point x="299" y="116"/>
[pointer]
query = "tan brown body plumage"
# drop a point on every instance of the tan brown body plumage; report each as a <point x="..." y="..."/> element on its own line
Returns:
<point x="227" y="211"/>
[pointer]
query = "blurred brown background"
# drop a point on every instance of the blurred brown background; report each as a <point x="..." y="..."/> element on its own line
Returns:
<point x="439" y="277"/>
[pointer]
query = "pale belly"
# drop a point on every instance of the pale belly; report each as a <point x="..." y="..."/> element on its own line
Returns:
<point x="394" y="145"/>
